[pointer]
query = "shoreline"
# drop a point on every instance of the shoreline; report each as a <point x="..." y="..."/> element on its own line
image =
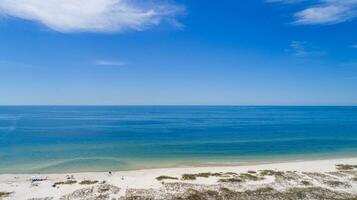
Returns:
<point x="146" y="179"/>
<point x="204" y="165"/>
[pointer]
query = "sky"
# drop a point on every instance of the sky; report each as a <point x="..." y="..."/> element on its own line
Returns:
<point x="178" y="52"/>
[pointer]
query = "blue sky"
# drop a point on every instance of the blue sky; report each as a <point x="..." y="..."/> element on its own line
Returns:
<point x="257" y="52"/>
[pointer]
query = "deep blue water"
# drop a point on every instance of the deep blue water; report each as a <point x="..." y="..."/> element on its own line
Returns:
<point x="102" y="138"/>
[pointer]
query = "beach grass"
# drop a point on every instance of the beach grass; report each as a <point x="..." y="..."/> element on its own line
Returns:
<point x="160" y="178"/>
<point x="5" y="194"/>
<point x="336" y="184"/>
<point x="345" y="167"/>
<point x="201" y="175"/>
<point x="230" y="180"/>
<point x="68" y="182"/>
<point x="271" y="173"/>
<point x="188" y="177"/>
<point x="88" y="182"/>
<point x="306" y="183"/>
<point x="250" y="177"/>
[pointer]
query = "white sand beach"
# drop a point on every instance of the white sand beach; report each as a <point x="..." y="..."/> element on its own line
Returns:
<point x="20" y="187"/>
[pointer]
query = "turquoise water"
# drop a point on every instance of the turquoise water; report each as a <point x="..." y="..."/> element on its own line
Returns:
<point x="102" y="138"/>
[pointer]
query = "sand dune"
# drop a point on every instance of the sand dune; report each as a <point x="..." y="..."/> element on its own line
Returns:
<point x="124" y="184"/>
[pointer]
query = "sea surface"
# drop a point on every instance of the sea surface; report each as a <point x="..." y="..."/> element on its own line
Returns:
<point x="105" y="138"/>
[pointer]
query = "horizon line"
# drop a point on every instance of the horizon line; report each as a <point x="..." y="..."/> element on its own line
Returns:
<point x="181" y="105"/>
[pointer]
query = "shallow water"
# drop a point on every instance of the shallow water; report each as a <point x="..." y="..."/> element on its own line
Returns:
<point x="102" y="138"/>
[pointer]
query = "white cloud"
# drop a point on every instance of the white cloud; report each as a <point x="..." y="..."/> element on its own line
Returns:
<point x="109" y="63"/>
<point x="92" y="15"/>
<point x="324" y="11"/>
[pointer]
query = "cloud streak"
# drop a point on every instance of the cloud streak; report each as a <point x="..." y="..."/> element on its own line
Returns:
<point x="303" y="49"/>
<point x="109" y="63"/>
<point x="106" y="16"/>
<point x="323" y="12"/>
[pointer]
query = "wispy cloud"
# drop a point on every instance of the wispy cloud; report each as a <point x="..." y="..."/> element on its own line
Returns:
<point x="303" y="49"/>
<point x="349" y="64"/>
<point x="8" y="63"/>
<point x="354" y="46"/>
<point x="323" y="11"/>
<point x="92" y="15"/>
<point x="109" y="63"/>
<point x="285" y="1"/>
<point x="351" y="78"/>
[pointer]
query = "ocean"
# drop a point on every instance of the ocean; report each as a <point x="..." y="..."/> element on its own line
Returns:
<point x="49" y="139"/>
